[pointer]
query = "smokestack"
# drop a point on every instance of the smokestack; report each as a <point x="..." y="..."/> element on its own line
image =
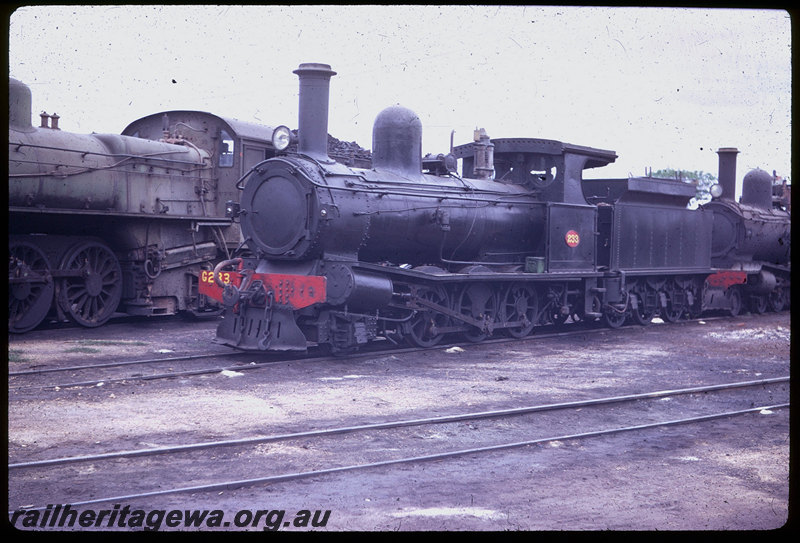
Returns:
<point x="727" y="172"/>
<point x="313" y="111"/>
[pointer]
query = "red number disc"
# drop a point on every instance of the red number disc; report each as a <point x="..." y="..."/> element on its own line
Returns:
<point x="572" y="238"/>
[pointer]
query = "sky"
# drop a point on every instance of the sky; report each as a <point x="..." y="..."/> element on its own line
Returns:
<point x="662" y="87"/>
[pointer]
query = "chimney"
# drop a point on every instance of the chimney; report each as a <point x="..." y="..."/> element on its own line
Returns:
<point x="313" y="110"/>
<point x="727" y="172"/>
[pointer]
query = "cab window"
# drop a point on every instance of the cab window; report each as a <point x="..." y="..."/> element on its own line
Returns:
<point x="226" y="150"/>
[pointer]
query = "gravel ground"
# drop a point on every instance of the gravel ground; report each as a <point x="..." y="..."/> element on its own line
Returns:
<point x="728" y="474"/>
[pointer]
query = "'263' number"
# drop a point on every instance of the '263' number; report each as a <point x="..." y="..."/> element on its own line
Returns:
<point x="208" y="277"/>
<point x="572" y="238"/>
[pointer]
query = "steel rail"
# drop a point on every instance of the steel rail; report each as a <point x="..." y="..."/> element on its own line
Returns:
<point x="397" y="424"/>
<point x="266" y="363"/>
<point x="581" y="328"/>
<point x="243" y="483"/>
<point x="153" y="377"/>
<point x="123" y="363"/>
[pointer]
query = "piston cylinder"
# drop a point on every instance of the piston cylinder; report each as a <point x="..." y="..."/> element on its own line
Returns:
<point x="356" y="288"/>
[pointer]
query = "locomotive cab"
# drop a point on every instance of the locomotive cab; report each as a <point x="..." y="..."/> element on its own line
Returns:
<point x="551" y="169"/>
<point x="234" y="146"/>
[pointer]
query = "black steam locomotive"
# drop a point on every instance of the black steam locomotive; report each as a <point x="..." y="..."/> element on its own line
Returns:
<point x="105" y="224"/>
<point x="409" y="249"/>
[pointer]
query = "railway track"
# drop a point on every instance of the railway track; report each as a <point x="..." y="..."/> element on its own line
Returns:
<point x="274" y="458"/>
<point x="85" y="375"/>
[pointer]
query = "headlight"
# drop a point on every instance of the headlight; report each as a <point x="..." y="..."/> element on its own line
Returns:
<point x="232" y="209"/>
<point x="716" y="190"/>
<point x="281" y="137"/>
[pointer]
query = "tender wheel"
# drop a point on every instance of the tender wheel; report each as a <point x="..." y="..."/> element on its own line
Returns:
<point x="30" y="287"/>
<point x="675" y="308"/>
<point x="614" y="318"/>
<point x="422" y="329"/>
<point x="758" y="304"/>
<point x="734" y="301"/>
<point x="776" y="300"/>
<point x="645" y="311"/>
<point x="672" y="313"/>
<point x="520" y="304"/>
<point x="478" y="302"/>
<point x="92" y="295"/>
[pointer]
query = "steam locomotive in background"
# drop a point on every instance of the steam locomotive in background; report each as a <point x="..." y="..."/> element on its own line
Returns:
<point x="408" y="249"/>
<point x="106" y="224"/>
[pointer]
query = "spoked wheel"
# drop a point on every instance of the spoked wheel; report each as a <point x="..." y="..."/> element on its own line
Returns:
<point x="30" y="287"/>
<point x="675" y="308"/>
<point x="477" y="302"/>
<point x="734" y="301"/>
<point x="776" y="300"/>
<point x="758" y="304"/>
<point x="520" y="304"/>
<point x="613" y="317"/>
<point x="646" y="308"/>
<point x="672" y="313"/>
<point x="421" y="330"/>
<point x="91" y="294"/>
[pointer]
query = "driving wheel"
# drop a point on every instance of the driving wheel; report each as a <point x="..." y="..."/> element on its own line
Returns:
<point x="422" y="329"/>
<point x="30" y="286"/>
<point x="520" y="304"/>
<point x="92" y="288"/>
